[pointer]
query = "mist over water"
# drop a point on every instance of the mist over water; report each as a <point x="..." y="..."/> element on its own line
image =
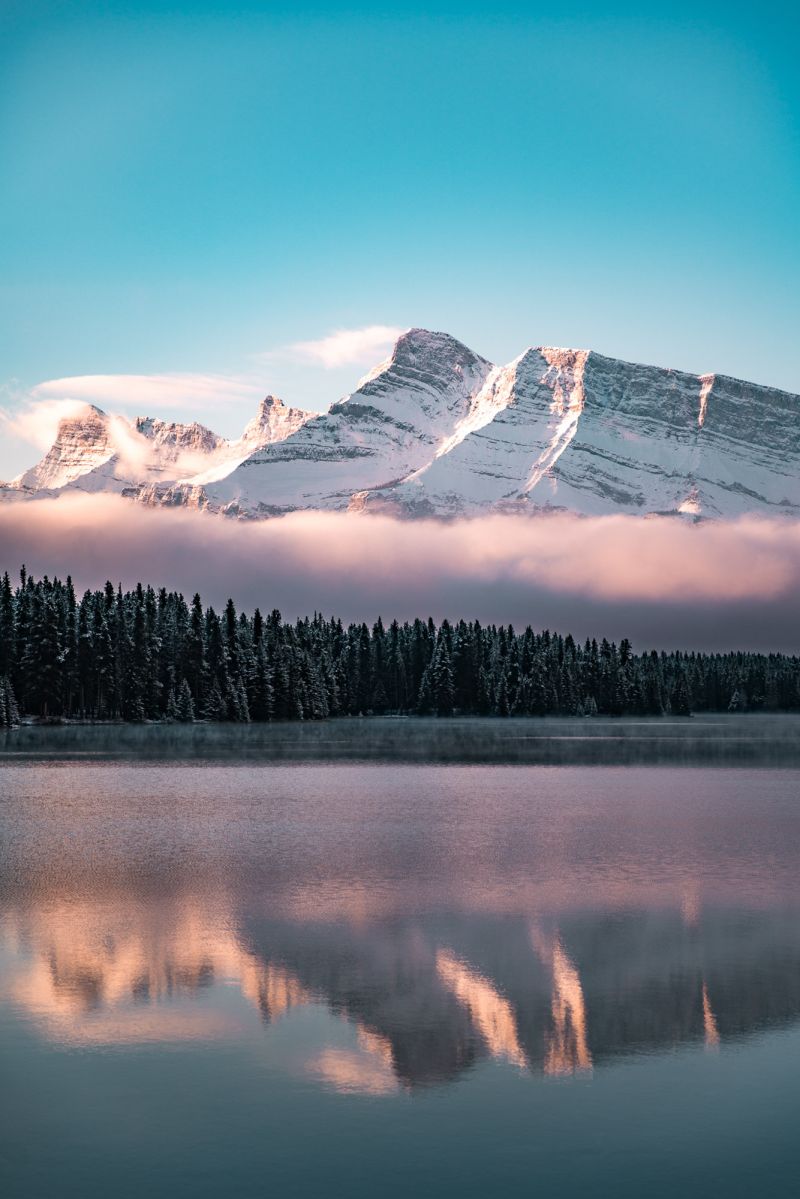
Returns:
<point x="726" y="739"/>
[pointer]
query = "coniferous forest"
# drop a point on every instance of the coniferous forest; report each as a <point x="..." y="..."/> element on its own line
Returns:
<point x="149" y="655"/>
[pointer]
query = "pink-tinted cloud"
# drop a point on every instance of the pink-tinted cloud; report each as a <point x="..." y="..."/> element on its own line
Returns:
<point x="37" y="421"/>
<point x="661" y="581"/>
<point x="346" y="347"/>
<point x="146" y="393"/>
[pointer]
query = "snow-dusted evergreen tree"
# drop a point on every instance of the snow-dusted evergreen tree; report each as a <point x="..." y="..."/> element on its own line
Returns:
<point x="441" y="684"/>
<point x="262" y="702"/>
<point x="184" y="707"/>
<point x="242" y="706"/>
<point x="42" y="657"/>
<point x="194" y="657"/>
<point x="681" y="701"/>
<point x="425" y="695"/>
<point x="8" y="634"/>
<point x="216" y="706"/>
<point x="9" y="712"/>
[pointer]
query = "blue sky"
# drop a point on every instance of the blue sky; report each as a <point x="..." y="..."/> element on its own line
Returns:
<point x="189" y="193"/>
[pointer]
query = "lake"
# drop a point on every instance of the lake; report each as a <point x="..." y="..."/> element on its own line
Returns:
<point x="395" y="957"/>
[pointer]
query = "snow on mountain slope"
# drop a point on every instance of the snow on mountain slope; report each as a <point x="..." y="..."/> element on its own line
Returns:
<point x="94" y="451"/>
<point x="436" y="430"/>
<point x="594" y="435"/>
<point x="653" y="440"/>
<point x="273" y="422"/>
<point x="635" y="444"/>
<point x="750" y="442"/>
<point x="153" y="449"/>
<point x="530" y="414"/>
<point x="394" y="422"/>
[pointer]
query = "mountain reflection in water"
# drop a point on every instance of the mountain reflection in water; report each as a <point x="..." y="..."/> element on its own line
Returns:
<point x="427" y="997"/>
<point x="432" y="918"/>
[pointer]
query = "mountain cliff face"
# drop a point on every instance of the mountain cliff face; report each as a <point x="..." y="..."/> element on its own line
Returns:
<point x="94" y="451"/>
<point x="274" y="421"/>
<point x="436" y="430"/>
<point x="83" y="443"/>
<point x="594" y="435"/>
<point x="171" y="439"/>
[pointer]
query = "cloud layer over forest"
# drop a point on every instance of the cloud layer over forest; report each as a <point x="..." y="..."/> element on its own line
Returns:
<point x="662" y="582"/>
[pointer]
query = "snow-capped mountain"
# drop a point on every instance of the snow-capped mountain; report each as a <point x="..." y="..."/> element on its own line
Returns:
<point x="393" y="424"/>
<point x="436" y="430"/>
<point x="95" y="451"/>
<point x="83" y="443"/>
<point x="574" y="430"/>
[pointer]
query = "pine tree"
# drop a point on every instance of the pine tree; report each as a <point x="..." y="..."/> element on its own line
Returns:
<point x="262" y="706"/>
<point x="425" y="696"/>
<point x="185" y="704"/>
<point x="501" y="697"/>
<point x="216" y="706"/>
<point x="242" y="706"/>
<point x="441" y="681"/>
<point x="9" y="713"/>
<point x="681" y="701"/>
<point x="195" y="652"/>
<point x="43" y="660"/>
<point x="8" y="640"/>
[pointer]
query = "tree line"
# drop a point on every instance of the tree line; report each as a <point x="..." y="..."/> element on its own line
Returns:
<point x="149" y="655"/>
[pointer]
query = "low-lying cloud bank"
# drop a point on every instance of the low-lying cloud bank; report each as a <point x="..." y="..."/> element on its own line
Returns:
<point x="662" y="582"/>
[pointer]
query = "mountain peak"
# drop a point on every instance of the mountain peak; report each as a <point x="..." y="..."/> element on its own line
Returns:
<point x="84" y="415"/>
<point x="270" y="403"/>
<point x="84" y="436"/>
<point x="423" y="358"/>
<point x="274" y="421"/>
<point x="418" y="342"/>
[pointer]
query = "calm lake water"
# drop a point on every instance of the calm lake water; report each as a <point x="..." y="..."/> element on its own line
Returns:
<point x="401" y="958"/>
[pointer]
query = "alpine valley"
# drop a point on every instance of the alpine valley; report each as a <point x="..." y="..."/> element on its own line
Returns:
<point x="438" y="431"/>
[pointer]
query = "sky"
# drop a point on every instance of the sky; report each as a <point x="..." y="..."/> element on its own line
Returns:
<point x="204" y="201"/>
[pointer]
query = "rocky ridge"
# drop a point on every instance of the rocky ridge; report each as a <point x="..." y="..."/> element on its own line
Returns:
<point x="438" y="431"/>
<point x="94" y="451"/>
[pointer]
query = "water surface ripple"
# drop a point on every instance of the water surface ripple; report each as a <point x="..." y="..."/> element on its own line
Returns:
<point x="498" y="970"/>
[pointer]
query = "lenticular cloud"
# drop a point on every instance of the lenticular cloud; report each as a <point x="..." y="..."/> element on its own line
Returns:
<point x="661" y="581"/>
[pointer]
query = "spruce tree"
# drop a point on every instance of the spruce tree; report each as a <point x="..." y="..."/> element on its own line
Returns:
<point x="262" y="705"/>
<point x="8" y="639"/>
<point x="216" y="705"/>
<point x="442" y="690"/>
<point x="9" y="712"/>
<point x="184" y="710"/>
